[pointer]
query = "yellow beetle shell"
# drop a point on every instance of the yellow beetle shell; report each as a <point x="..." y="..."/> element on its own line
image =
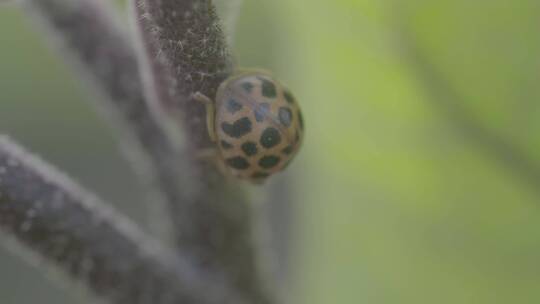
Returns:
<point x="258" y="125"/>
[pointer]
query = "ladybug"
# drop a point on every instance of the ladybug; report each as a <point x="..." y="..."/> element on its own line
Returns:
<point x="256" y="124"/>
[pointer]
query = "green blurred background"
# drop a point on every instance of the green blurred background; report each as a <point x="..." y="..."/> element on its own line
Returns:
<point x="414" y="185"/>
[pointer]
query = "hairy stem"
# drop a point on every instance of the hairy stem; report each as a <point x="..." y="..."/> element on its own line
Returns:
<point x="88" y="31"/>
<point x="183" y="47"/>
<point x="184" y="52"/>
<point x="83" y="237"/>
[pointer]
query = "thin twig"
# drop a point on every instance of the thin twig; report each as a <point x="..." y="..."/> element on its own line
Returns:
<point x="83" y="237"/>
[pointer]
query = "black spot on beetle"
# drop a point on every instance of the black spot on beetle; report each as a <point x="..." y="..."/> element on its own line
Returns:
<point x="268" y="162"/>
<point x="285" y="116"/>
<point x="237" y="162"/>
<point x="225" y="145"/>
<point x="233" y="106"/>
<point x="247" y="86"/>
<point x="261" y="111"/>
<point x="268" y="88"/>
<point x="260" y="175"/>
<point x="288" y="150"/>
<point x="288" y="96"/>
<point x="249" y="148"/>
<point x="270" y="137"/>
<point x="237" y="129"/>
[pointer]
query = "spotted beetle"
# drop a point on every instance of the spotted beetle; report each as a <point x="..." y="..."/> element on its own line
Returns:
<point x="256" y="124"/>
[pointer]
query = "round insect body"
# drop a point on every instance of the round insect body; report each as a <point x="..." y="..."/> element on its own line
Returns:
<point x="258" y="125"/>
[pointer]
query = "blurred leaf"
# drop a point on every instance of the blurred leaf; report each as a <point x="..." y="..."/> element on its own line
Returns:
<point x="401" y="207"/>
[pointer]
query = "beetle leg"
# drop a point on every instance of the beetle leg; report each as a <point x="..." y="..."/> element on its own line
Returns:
<point x="210" y="113"/>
